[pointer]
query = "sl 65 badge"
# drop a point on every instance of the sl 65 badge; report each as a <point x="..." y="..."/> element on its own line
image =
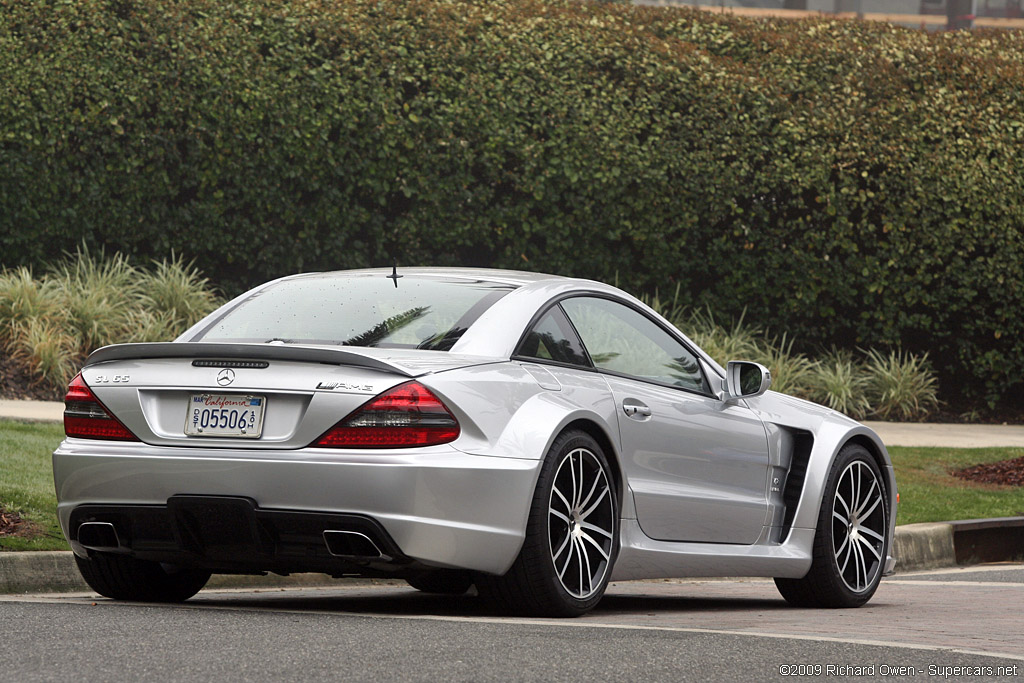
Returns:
<point x="101" y="379"/>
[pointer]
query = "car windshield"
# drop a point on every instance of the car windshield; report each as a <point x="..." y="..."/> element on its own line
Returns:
<point x="359" y="310"/>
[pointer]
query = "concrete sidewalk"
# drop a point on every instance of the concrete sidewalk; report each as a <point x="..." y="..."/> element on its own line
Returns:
<point x="948" y="435"/>
<point x="892" y="433"/>
<point x="33" y="411"/>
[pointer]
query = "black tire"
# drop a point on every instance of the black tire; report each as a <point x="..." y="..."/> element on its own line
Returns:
<point x="851" y="541"/>
<point x="441" y="581"/>
<point x="584" y="540"/>
<point x="124" y="578"/>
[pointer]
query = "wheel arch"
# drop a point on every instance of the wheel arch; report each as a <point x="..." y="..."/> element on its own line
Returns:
<point x="828" y="443"/>
<point x="876" y="450"/>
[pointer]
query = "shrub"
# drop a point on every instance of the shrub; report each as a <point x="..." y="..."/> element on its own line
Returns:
<point x="47" y="349"/>
<point x="24" y="299"/>
<point x="97" y="294"/>
<point x="841" y="383"/>
<point x="49" y="324"/>
<point x="737" y="342"/>
<point x="853" y="183"/>
<point x="792" y="372"/>
<point x="900" y="385"/>
<point x="178" y="291"/>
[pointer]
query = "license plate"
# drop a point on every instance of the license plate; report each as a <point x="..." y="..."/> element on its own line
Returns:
<point x="236" y="416"/>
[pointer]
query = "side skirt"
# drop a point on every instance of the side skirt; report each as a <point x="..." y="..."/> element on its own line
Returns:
<point x="641" y="557"/>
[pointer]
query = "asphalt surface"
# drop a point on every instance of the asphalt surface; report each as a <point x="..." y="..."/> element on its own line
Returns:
<point x="918" y="627"/>
<point x="952" y="624"/>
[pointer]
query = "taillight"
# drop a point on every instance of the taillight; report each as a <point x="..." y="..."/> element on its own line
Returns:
<point x="403" y="416"/>
<point x="86" y="418"/>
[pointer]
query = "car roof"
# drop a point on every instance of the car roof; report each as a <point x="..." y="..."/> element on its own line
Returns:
<point x="516" y="278"/>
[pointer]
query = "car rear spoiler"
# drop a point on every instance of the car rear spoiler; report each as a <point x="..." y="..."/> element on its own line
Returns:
<point x="364" y="358"/>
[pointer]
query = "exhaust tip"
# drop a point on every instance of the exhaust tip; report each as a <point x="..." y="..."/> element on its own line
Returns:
<point x="98" y="536"/>
<point x="352" y="544"/>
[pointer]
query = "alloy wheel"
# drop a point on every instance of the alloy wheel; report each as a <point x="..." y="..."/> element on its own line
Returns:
<point x="858" y="526"/>
<point x="581" y="523"/>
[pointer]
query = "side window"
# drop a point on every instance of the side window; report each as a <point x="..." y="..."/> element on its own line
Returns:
<point x="552" y="338"/>
<point x="621" y="340"/>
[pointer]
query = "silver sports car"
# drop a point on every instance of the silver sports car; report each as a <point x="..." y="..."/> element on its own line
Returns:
<point x="532" y="435"/>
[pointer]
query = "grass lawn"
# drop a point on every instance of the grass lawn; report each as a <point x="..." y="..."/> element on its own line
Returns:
<point x="26" y="482"/>
<point x="928" y="493"/>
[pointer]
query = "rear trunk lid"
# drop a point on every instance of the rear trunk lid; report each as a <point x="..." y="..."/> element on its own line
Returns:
<point x="301" y="391"/>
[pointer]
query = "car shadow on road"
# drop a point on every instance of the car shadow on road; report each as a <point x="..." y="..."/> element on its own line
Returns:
<point x="402" y="601"/>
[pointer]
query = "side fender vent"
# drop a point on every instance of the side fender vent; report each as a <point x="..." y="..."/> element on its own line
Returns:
<point x="802" y="442"/>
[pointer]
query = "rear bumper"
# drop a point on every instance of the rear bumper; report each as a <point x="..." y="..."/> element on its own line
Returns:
<point x="435" y="507"/>
<point x="234" y="535"/>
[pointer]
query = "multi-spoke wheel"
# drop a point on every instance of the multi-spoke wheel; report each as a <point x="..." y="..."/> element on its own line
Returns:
<point x="850" y="543"/>
<point x="581" y="523"/>
<point x="572" y="535"/>
<point x="858" y="526"/>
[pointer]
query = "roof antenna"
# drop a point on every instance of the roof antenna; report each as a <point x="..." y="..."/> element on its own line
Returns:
<point x="394" y="274"/>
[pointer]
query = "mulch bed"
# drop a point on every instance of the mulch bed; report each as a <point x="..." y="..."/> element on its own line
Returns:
<point x="12" y="524"/>
<point x="16" y="383"/>
<point x="1006" y="472"/>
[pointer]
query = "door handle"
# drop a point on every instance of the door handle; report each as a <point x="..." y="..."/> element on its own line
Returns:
<point x="635" y="409"/>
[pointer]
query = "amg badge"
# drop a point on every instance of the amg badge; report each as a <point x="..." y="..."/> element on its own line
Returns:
<point x="342" y="385"/>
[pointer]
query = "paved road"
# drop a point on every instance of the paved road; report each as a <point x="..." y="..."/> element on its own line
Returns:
<point x="665" y="630"/>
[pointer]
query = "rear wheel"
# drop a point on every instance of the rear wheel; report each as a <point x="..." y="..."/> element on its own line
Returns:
<point x="850" y="544"/>
<point x="572" y="535"/>
<point x="441" y="581"/>
<point x="124" y="578"/>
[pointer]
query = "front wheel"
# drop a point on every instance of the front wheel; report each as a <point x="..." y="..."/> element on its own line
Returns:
<point x="572" y="535"/>
<point x="122" y="577"/>
<point x="850" y="544"/>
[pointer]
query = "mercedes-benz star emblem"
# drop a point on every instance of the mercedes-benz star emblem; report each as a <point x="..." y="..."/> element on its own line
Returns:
<point x="225" y="377"/>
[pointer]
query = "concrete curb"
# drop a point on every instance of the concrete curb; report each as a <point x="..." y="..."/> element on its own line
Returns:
<point x="915" y="546"/>
<point x="924" y="546"/>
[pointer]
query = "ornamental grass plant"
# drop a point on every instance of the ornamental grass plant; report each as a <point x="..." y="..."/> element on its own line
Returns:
<point x="900" y="386"/>
<point x="50" y="322"/>
<point x="841" y="382"/>
<point x="867" y="384"/>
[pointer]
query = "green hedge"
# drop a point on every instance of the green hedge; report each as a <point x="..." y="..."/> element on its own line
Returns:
<point x="848" y="182"/>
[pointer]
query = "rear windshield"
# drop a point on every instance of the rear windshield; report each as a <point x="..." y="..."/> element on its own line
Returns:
<point x="363" y="310"/>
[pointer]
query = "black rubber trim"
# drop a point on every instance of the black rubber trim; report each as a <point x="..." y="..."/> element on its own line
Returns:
<point x="802" y="443"/>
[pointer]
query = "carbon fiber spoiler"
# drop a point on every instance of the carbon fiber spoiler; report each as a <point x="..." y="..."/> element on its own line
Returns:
<point x="397" y="361"/>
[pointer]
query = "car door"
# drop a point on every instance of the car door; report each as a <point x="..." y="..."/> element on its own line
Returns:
<point x="697" y="466"/>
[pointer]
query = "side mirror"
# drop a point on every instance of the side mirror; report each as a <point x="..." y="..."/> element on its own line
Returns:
<point x="744" y="379"/>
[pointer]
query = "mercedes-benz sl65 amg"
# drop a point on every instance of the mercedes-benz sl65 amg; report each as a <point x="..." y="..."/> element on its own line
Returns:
<point x="532" y="435"/>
